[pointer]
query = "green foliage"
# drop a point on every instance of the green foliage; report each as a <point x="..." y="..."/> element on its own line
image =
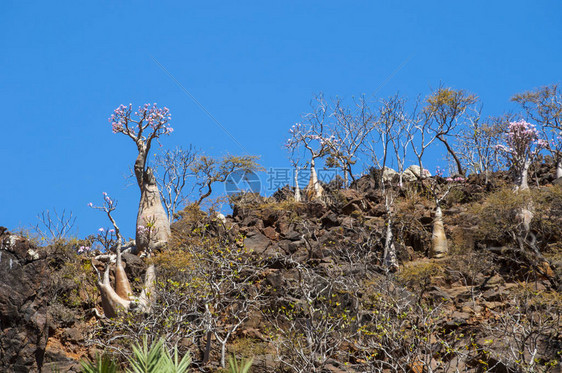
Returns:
<point x="209" y="170"/>
<point x="101" y="364"/>
<point x="147" y="359"/>
<point x="174" y="364"/>
<point x="156" y="359"/>
<point x="242" y="366"/>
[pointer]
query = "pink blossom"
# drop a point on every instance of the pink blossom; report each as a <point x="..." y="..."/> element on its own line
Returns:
<point x="124" y="120"/>
<point x="83" y="249"/>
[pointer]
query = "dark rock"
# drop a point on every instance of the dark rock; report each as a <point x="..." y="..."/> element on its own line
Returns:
<point x="73" y="335"/>
<point x="293" y="236"/>
<point x="256" y="242"/>
<point x="295" y="245"/>
<point x="271" y="233"/>
<point x="494" y="295"/>
<point x="23" y="304"/>
<point x="439" y="295"/>
<point x="329" y="220"/>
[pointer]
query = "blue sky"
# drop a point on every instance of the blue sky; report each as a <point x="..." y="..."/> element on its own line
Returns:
<point x="254" y="65"/>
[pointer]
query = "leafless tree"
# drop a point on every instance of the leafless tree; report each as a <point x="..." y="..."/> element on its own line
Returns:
<point x="310" y="322"/>
<point x="349" y="130"/>
<point x="229" y="280"/>
<point x="173" y="171"/>
<point x="55" y="227"/>
<point x="389" y="123"/>
<point x="520" y="336"/>
<point x="402" y="134"/>
<point x="476" y="145"/>
<point x="421" y="134"/>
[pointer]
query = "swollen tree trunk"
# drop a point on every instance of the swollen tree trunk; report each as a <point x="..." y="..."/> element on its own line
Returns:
<point x="314" y="189"/>
<point x="297" y="189"/>
<point x="120" y="298"/>
<point x="439" y="246"/>
<point x="522" y="180"/>
<point x="559" y="168"/>
<point x="153" y="226"/>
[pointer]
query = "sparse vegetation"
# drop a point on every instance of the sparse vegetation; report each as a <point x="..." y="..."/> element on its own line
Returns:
<point x="385" y="272"/>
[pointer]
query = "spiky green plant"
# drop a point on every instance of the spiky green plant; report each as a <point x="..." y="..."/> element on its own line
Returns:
<point x="242" y="366"/>
<point x="157" y="359"/>
<point x="147" y="359"/>
<point x="101" y="364"/>
<point x="173" y="363"/>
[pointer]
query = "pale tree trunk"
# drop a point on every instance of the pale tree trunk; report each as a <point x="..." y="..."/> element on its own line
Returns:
<point x="297" y="189"/>
<point x="314" y="189"/>
<point x="439" y="246"/>
<point x="390" y="260"/>
<point x="151" y="215"/>
<point x="522" y="180"/>
<point x="559" y="168"/>
<point x="121" y="298"/>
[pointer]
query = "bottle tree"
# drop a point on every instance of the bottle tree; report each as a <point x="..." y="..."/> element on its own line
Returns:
<point x="522" y="145"/>
<point x="147" y="123"/>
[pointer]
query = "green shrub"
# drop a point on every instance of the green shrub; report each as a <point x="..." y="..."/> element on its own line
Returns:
<point x="157" y="359"/>
<point x="101" y="364"/>
<point x="242" y="366"/>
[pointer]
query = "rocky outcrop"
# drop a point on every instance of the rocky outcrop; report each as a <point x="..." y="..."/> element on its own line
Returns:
<point x="23" y="304"/>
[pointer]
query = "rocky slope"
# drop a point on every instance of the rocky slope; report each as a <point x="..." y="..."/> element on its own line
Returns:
<point x="322" y="260"/>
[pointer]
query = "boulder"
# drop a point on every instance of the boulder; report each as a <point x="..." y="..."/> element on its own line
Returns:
<point x="256" y="241"/>
<point x="412" y="173"/>
<point x="388" y="174"/>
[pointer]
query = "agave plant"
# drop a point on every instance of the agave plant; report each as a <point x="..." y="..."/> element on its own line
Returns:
<point x="242" y="366"/>
<point x="157" y="359"/>
<point x="101" y="364"/>
<point x="173" y="364"/>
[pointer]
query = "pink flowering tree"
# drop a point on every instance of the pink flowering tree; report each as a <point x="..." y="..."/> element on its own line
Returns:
<point x="544" y="107"/>
<point x="311" y="135"/>
<point x="522" y="145"/>
<point x="120" y="296"/>
<point x="144" y="125"/>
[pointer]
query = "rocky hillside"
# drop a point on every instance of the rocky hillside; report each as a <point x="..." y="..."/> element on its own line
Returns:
<point x="302" y="287"/>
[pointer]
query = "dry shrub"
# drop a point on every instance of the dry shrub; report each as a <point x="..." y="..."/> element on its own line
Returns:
<point x="419" y="275"/>
<point x="498" y="221"/>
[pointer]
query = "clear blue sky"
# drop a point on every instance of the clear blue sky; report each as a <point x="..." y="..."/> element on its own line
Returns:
<point x="65" y="65"/>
